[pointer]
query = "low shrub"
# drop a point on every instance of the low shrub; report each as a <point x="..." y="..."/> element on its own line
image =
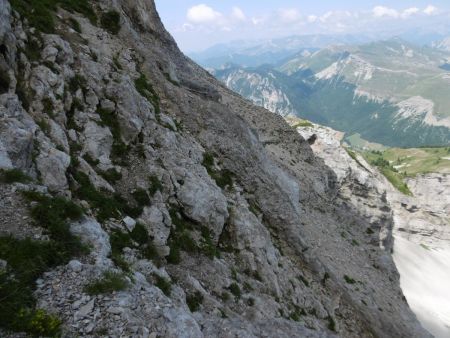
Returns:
<point x="111" y="21"/>
<point x="235" y="290"/>
<point x="141" y="197"/>
<point x="164" y="285"/>
<point x="146" y="90"/>
<point x="223" y="178"/>
<point x="13" y="175"/>
<point x="155" y="185"/>
<point x="28" y="259"/>
<point x="111" y="175"/>
<point x="194" y="301"/>
<point x="40" y="13"/>
<point x="140" y="234"/>
<point x="349" y="279"/>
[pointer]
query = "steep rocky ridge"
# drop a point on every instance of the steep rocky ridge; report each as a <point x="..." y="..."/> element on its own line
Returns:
<point x="121" y="123"/>
<point x="420" y="224"/>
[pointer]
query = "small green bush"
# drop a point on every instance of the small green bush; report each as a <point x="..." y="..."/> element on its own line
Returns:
<point x="140" y="234"/>
<point x="141" y="197"/>
<point x="150" y="252"/>
<point x="111" y="175"/>
<point x="88" y="158"/>
<point x="207" y="245"/>
<point x="106" y="206"/>
<point x="77" y="82"/>
<point x="174" y="256"/>
<point x="146" y="90"/>
<point x="120" y="240"/>
<point x="111" y="21"/>
<point x="225" y="296"/>
<point x="235" y="290"/>
<point x="194" y="301"/>
<point x="119" y="149"/>
<point x="108" y="283"/>
<point x="4" y="81"/>
<point x="369" y="231"/>
<point x="48" y="107"/>
<point x="297" y="313"/>
<point x="164" y="285"/>
<point x="349" y="279"/>
<point x="120" y="262"/>
<point x="13" y="175"/>
<point x="223" y="178"/>
<point x="331" y="324"/>
<point x="43" y="124"/>
<point x="52" y="213"/>
<point x="155" y="185"/>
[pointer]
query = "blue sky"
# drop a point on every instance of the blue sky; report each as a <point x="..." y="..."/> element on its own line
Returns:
<point x="199" y="24"/>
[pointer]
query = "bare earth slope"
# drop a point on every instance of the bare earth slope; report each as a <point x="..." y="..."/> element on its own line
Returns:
<point x="247" y="232"/>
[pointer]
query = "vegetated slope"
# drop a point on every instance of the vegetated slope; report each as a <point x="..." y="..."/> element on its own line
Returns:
<point x="390" y="92"/>
<point x="140" y="196"/>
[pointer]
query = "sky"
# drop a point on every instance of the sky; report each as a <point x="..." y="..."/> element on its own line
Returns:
<point x="197" y="25"/>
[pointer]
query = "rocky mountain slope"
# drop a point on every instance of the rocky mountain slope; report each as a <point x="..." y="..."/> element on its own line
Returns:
<point x="140" y="197"/>
<point x="391" y="92"/>
<point x="421" y="224"/>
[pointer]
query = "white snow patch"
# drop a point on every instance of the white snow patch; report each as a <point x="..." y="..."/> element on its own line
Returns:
<point x="424" y="278"/>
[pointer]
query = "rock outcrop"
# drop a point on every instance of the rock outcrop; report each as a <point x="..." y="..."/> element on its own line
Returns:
<point x="241" y="230"/>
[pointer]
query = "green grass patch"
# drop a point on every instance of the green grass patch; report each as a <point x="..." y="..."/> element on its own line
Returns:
<point x="108" y="283"/>
<point x="303" y="124"/>
<point x="396" y="178"/>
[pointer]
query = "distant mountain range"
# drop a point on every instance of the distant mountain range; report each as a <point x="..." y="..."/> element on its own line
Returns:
<point x="390" y="92"/>
<point x="274" y="51"/>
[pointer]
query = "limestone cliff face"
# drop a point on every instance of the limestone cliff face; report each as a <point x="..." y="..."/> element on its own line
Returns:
<point x="419" y="223"/>
<point x="250" y="234"/>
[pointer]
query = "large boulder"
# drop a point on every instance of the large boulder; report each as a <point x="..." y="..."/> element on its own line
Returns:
<point x="204" y="202"/>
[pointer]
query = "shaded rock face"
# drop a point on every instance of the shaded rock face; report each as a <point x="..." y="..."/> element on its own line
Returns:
<point x="420" y="224"/>
<point x="249" y="233"/>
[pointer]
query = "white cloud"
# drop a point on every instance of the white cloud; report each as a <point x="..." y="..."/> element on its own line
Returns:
<point x="312" y="18"/>
<point x="430" y="10"/>
<point x="410" y="11"/>
<point x="289" y="14"/>
<point x="238" y="14"/>
<point x="326" y="16"/>
<point x="203" y="14"/>
<point x="381" y="11"/>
